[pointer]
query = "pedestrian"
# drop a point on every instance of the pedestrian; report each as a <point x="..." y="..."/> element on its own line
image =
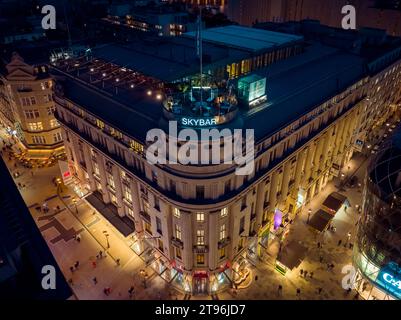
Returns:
<point x="70" y="282"/>
<point x="349" y="236"/>
<point x="106" y="291"/>
<point x="339" y="242"/>
<point x="311" y="274"/>
<point x="350" y="245"/>
<point x="318" y="245"/>
<point x="305" y="273"/>
<point x="118" y="261"/>
<point x="78" y="238"/>
<point x="319" y="290"/>
<point x="256" y="278"/>
<point x="280" y="289"/>
<point x="76" y="265"/>
<point x="31" y="173"/>
<point x="100" y="254"/>
<point x="94" y="264"/>
<point x="72" y="269"/>
<point x="356" y="296"/>
<point x="321" y="259"/>
<point x="349" y="290"/>
<point x="301" y="272"/>
<point x="334" y="229"/>
<point x="332" y="266"/>
<point x="94" y="280"/>
<point x="298" y="292"/>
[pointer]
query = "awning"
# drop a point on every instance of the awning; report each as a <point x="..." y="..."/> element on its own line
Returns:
<point x="320" y="220"/>
<point x="334" y="202"/>
<point x="292" y="254"/>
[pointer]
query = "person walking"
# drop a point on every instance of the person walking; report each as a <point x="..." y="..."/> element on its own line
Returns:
<point x="321" y="259"/>
<point x="298" y="292"/>
<point x="94" y="264"/>
<point x="94" y="280"/>
<point x="305" y="274"/>
<point x="311" y="274"/>
<point x="72" y="269"/>
<point x="76" y="265"/>
<point x="118" y="261"/>
<point x="319" y="290"/>
<point x="339" y="242"/>
<point x="131" y="291"/>
<point x="280" y="289"/>
<point x="301" y="272"/>
<point x="349" y="236"/>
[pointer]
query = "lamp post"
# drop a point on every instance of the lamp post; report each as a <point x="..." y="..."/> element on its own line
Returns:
<point x="107" y="238"/>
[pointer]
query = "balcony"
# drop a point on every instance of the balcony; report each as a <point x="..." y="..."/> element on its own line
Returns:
<point x="145" y="216"/>
<point x="177" y="243"/>
<point x="201" y="249"/>
<point x="224" y="242"/>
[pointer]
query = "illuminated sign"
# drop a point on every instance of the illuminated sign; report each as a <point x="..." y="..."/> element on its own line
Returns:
<point x="199" y="122"/>
<point x="389" y="278"/>
<point x="278" y="218"/>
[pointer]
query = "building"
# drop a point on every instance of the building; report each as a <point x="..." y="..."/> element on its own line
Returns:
<point x="23" y="251"/>
<point x="200" y="225"/>
<point x="369" y="13"/>
<point x="377" y="255"/>
<point x="27" y="107"/>
<point x="160" y="21"/>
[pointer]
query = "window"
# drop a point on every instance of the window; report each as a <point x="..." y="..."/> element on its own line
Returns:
<point x="110" y="180"/>
<point x="50" y="110"/>
<point x="31" y="114"/>
<point x="35" y="126"/>
<point x="38" y="139"/>
<point x="200" y="258"/>
<point x="242" y="225"/>
<point x="148" y="227"/>
<point x="54" y="123"/>
<point x="130" y="212"/>
<point x="200" y="192"/>
<point x="57" y="137"/>
<point x="136" y="146"/>
<point x="114" y="199"/>
<point x="243" y="203"/>
<point x="240" y="244"/>
<point x="224" y="212"/>
<point x="178" y="253"/>
<point x="47" y="98"/>
<point x="99" y="186"/>
<point x="157" y="204"/>
<point x="222" y="232"/>
<point x="96" y="168"/>
<point x="33" y="100"/>
<point x="159" y="225"/>
<point x="178" y="232"/>
<point x="127" y="193"/>
<point x="100" y="124"/>
<point x="200" y="237"/>
<point x="160" y="245"/>
<point x="222" y="252"/>
<point x="177" y="213"/>
<point x="200" y="217"/>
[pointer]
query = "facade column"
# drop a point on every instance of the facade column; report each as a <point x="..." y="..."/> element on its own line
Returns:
<point x="186" y="225"/>
<point x="286" y="180"/>
<point x="213" y="239"/>
<point x="89" y="167"/>
<point x="308" y="164"/>
<point x="259" y="203"/>
<point x="318" y="155"/>
<point x="136" y="206"/>
<point x="326" y="147"/>
<point x="298" y="172"/>
<point x="273" y="191"/>
<point x="103" y="179"/>
<point x="119" y="193"/>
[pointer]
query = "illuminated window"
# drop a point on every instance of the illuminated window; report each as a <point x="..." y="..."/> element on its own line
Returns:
<point x="178" y="253"/>
<point x="136" y="146"/>
<point x="222" y="232"/>
<point x="148" y="227"/>
<point x="110" y="180"/>
<point x="38" y="140"/>
<point x="200" y="237"/>
<point x="200" y="258"/>
<point x="127" y="193"/>
<point x="47" y="97"/>
<point x="96" y="168"/>
<point x="178" y="234"/>
<point x="50" y="110"/>
<point x="160" y="245"/>
<point x="100" y="124"/>
<point x="54" y="123"/>
<point x="177" y="213"/>
<point x="35" y="126"/>
<point x="200" y="217"/>
<point x="114" y="199"/>
<point x="224" y="212"/>
<point x="222" y="252"/>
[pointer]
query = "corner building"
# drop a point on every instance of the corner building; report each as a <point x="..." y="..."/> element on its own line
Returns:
<point x="199" y="225"/>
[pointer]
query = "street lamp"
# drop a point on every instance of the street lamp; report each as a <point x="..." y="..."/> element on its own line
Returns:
<point x="107" y="238"/>
<point x="74" y="200"/>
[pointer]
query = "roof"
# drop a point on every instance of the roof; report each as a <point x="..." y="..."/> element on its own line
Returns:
<point x="292" y="254"/>
<point x="334" y="201"/>
<point x="320" y="220"/>
<point x="246" y="38"/>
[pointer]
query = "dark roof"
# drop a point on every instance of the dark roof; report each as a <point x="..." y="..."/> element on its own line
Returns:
<point x="23" y="250"/>
<point x="292" y="254"/>
<point x="320" y="220"/>
<point x="295" y="86"/>
<point x="334" y="201"/>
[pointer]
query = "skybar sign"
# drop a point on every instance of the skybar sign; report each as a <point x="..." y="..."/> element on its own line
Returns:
<point x="390" y="279"/>
<point x="199" y="122"/>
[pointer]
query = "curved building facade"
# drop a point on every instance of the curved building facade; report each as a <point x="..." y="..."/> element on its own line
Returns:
<point x="378" y="251"/>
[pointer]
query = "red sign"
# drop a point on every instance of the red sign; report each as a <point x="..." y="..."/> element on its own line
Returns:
<point x="200" y="274"/>
<point x="66" y="174"/>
